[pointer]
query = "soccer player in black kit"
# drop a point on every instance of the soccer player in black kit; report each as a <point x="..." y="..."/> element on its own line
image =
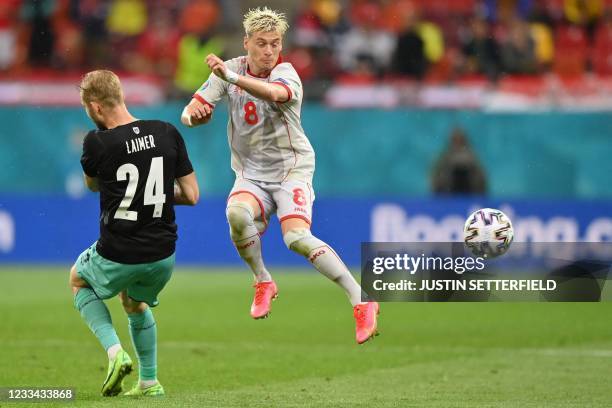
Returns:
<point x="141" y="169"/>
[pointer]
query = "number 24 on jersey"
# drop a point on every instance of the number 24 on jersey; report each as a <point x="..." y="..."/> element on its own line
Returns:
<point x="154" y="189"/>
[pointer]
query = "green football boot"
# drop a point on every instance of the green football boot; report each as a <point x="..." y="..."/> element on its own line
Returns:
<point x="118" y="368"/>
<point x="153" y="391"/>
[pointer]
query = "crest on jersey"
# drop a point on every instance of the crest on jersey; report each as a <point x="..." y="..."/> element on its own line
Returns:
<point x="136" y="130"/>
<point x="235" y="89"/>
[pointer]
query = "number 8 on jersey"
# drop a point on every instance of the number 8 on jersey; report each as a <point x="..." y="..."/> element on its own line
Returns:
<point x="250" y="113"/>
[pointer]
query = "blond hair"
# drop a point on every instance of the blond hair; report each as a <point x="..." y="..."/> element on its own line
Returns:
<point x="264" y="19"/>
<point x="101" y="86"/>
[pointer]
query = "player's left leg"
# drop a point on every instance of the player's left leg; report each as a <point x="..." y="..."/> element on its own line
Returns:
<point x="298" y="238"/>
<point x="96" y="315"/>
<point x="294" y="200"/>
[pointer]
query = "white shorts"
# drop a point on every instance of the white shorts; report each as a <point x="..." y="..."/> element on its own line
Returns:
<point x="288" y="199"/>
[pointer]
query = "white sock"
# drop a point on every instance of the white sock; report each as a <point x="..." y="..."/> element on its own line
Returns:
<point x="147" y="383"/>
<point x="246" y="239"/>
<point x="325" y="260"/>
<point x="250" y="251"/>
<point x="113" y="350"/>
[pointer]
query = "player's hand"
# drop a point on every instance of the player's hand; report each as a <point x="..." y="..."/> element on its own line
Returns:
<point x="197" y="113"/>
<point x="217" y="66"/>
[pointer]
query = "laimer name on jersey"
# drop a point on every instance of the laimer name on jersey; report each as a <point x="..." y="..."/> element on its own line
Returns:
<point x="140" y="143"/>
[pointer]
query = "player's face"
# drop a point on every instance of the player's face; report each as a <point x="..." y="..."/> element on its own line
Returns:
<point x="263" y="49"/>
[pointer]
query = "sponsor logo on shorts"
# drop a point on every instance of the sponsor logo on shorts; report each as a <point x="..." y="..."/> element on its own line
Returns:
<point x="244" y="246"/>
<point x="298" y="209"/>
<point x="317" y="254"/>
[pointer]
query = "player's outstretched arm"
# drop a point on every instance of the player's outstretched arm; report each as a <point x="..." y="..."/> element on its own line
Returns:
<point x="186" y="190"/>
<point x="91" y="183"/>
<point x="196" y="113"/>
<point x="263" y="90"/>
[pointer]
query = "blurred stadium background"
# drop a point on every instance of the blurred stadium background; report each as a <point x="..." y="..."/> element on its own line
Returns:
<point x="420" y="111"/>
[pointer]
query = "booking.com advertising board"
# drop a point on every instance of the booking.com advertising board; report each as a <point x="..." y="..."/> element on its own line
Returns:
<point x="55" y="229"/>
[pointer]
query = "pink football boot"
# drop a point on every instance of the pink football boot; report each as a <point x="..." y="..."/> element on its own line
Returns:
<point x="365" y="321"/>
<point x="265" y="292"/>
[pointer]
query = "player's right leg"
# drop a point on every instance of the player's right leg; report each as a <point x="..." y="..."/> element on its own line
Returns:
<point x="98" y="319"/>
<point x="245" y="212"/>
<point x="143" y="332"/>
<point x="140" y="296"/>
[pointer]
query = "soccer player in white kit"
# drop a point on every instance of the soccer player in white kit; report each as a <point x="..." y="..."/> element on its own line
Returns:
<point x="273" y="161"/>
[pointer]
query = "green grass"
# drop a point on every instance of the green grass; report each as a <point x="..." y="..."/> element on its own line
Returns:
<point x="211" y="353"/>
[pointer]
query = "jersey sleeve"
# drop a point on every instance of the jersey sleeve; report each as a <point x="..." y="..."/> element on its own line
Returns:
<point x="284" y="74"/>
<point x="92" y="151"/>
<point x="211" y="92"/>
<point x="183" y="164"/>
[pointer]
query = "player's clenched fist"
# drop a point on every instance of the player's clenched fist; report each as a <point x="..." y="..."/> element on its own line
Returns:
<point x="218" y="67"/>
<point x="196" y="113"/>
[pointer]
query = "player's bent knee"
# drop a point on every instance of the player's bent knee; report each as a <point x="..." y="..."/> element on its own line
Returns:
<point x="71" y="275"/>
<point x="300" y="240"/>
<point x="74" y="281"/>
<point x="136" y="307"/>
<point x="239" y="215"/>
<point x="130" y="305"/>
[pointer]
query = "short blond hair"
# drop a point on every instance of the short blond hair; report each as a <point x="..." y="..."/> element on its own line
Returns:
<point x="101" y="86"/>
<point x="264" y="19"/>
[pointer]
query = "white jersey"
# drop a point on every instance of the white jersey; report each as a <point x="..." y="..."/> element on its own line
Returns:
<point x="266" y="139"/>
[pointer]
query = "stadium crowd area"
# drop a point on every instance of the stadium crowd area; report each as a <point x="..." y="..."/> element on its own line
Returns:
<point x="330" y="41"/>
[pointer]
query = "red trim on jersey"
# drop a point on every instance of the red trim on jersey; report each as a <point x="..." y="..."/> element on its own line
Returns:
<point x="278" y="61"/>
<point x="261" y="207"/>
<point x="289" y="93"/>
<point x="290" y="144"/>
<point x="286" y="217"/>
<point x="203" y="101"/>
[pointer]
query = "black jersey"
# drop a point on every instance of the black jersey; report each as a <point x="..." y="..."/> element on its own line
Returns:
<point x="136" y="165"/>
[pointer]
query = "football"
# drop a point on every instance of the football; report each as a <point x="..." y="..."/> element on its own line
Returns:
<point x="488" y="233"/>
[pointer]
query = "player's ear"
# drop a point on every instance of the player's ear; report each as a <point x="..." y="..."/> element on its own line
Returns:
<point x="96" y="107"/>
<point x="246" y="40"/>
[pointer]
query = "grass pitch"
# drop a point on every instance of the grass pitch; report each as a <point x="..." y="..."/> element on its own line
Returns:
<point x="211" y="353"/>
